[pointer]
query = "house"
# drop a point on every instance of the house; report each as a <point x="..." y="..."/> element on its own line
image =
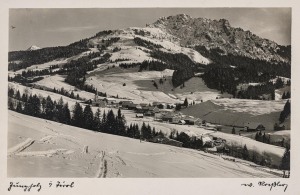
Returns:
<point x="132" y="106"/>
<point x="144" y="104"/>
<point x="139" y="115"/>
<point x="157" y="116"/>
<point x="207" y="141"/>
<point x="159" y="105"/>
<point x="153" y="109"/>
<point x="125" y="104"/>
<point x="253" y="126"/>
<point x="150" y="111"/>
<point x="138" y="107"/>
<point x="171" y="118"/>
<point x="191" y="120"/>
<point x="97" y="103"/>
<point x="110" y="101"/>
<point x="171" y="106"/>
<point x="155" y="103"/>
<point x="181" y="122"/>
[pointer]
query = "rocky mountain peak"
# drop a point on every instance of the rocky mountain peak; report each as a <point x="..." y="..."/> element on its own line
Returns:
<point x="219" y="34"/>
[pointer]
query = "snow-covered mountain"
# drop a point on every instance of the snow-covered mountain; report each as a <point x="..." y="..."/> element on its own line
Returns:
<point x="219" y="34"/>
<point x="33" y="47"/>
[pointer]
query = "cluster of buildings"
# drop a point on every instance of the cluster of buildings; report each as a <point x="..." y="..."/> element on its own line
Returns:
<point x="163" y="112"/>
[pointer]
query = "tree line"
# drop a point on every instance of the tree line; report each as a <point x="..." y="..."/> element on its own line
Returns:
<point x="28" y="58"/>
<point x="59" y="111"/>
<point x="228" y="71"/>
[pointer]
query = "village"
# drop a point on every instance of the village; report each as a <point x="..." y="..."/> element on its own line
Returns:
<point x="166" y="113"/>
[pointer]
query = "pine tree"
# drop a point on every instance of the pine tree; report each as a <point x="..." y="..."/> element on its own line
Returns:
<point x="18" y="95"/>
<point x="60" y="114"/>
<point x="43" y="103"/>
<point x="283" y="95"/>
<point x="28" y="109"/>
<point x="11" y="92"/>
<point x="10" y="104"/>
<point x="273" y="95"/>
<point x="88" y="117"/>
<point x="130" y="131"/>
<point x="72" y="95"/>
<point x="288" y="95"/>
<point x="49" y="107"/>
<point x="66" y="114"/>
<point x="256" y="136"/>
<point x="24" y="97"/>
<point x="97" y="120"/>
<point x="19" y="107"/>
<point x="186" y="103"/>
<point x="285" y="162"/>
<point x="286" y="112"/>
<point x="119" y="114"/>
<point x="111" y="122"/>
<point x="264" y="138"/>
<point x="233" y="130"/>
<point x="103" y="123"/>
<point x="122" y="125"/>
<point x="143" y="130"/>
<point x="137" y="132"/>
<point x="245" y="153"/>
<point x="254" y="157"/>
<point x="77" y="115"/>
<point x="36" y="106"/>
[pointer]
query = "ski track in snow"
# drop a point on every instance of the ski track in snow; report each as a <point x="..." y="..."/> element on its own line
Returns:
<point x="47" y="153"/>
<point x="102" y="170"/>
<point x="20" y="147"/>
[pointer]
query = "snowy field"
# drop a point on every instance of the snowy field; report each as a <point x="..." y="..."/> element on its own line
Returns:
<point x="40" y="148"/>
<point x="139" y="86"/>
<point x="57" y="81"/>
<point x="254" y="107"/>
<point x="238" y="111"/>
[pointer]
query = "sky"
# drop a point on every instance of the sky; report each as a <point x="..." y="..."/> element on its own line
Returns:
<point x="58" y="27"/>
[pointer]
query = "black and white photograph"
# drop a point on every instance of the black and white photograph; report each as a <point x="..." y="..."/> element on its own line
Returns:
<point x="149" y="93"/>
<point x="136" y="97"/>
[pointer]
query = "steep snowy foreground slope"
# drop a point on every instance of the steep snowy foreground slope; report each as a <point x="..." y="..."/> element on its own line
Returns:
<point x="40" y="148"/>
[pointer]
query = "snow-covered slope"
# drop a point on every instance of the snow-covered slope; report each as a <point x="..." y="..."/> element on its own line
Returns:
<point x="238" y="111"/>
<point x="49" y="149"/>
<point x="134" y="53"/>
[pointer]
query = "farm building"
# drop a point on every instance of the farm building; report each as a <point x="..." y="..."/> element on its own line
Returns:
<point x="110" y="101"/>
<point x="125" y="104"/>
<point x="207" y="141"/>
<point x="99" y="103"/>
<point x="253" y="126"/>
<point x="160" y="105"/>
<point x="139" y="115"/>
<point x="171" y="118"/>
<point x="96" y="103"/>
<point x="192" y="121"/>
<point x="132" y="106"/>
<point x="181" y="122"/>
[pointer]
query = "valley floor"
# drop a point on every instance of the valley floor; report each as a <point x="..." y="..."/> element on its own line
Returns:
<point x="41" y="148"/>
